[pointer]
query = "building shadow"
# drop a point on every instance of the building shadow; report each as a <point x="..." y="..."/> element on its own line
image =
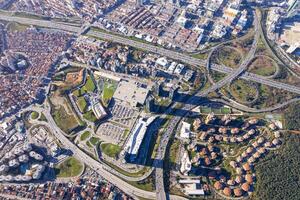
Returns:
<point x="156" y="163"/>
<point x="188" y="103"/>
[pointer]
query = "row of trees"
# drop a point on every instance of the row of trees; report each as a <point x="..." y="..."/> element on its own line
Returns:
<point x="292" y="117"/>
<point x="278" y="176"/>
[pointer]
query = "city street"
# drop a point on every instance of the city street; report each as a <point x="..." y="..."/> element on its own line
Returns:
<point x="159" y="50"/>
<point x="113" y="176"/>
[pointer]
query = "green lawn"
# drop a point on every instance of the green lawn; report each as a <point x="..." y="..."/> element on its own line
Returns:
<point x="217" y="76"/>
<point x="89" y="85"/>
<point x="69" y="168"/>
<point x="82" y="104"/>
<point x="94" y="140"/>
<point x="126" y="133"/>
<point x="85" y="135"/>
<point x="192" y="154"/>
<point x="111" y="150"/>
<point x="265" y="71"/>
<point x="78" y="93"/>
<point x="200" y="56"/>
<point x="225" y="110"/>
<point x="229" y="57"/>
<point x="263" y="66"/>
<point x="13" y="26"/>
<point x="268" y="96"/>
<point x="34" y="115"/>
<point x="205" y="109"/>
<point x="90" y="116"/>
<point x="227" y="167"/>
<point x="174" y="151"/>
<point x="109" y="90"/>
<point x="148" y="186"/>
<point x="135" y="174"/>
<point x="89" y="144"/>
<point x="43" y="118"/>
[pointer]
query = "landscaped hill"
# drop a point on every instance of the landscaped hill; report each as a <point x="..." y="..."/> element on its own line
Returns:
<point x="278" y="177"/>
<point x="292" y="117"/>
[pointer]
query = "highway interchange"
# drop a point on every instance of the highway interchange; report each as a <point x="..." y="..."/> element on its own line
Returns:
<point x="155" y="49"/>
<point x="189" y="105"/>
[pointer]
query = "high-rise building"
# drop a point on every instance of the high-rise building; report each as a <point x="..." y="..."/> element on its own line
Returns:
<point x="173" y="92"/>
<point x="149" y="103"/>
<point x="158" y="89"/>
<point x="137" y="135"/>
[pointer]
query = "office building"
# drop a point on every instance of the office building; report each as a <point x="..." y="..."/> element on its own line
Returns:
<point x="136" y="138"/>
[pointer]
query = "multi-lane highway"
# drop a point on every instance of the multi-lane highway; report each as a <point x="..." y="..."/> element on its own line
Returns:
<point x="152" y="48"/>
<point x="95" y="165"/>
<point x="198" y="62"/>
<point x="234" y="104"/>
<point x="194" y="100"/>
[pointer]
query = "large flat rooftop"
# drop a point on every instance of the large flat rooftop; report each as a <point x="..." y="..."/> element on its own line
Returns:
<point x="131" y="92"/>
<point x="291" y="34"/>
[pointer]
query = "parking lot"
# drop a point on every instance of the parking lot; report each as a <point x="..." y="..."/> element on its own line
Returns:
<point x="112" y="133"/>
<point x="123" y="114"/>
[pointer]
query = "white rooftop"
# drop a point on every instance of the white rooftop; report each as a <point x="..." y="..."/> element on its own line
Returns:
<point x="137" y="135"/>
<point x="192" y="187"/>
<point x="186" y="164"/>
<point x="131" y="92"/>
<point x="162" y="61"/>
<point x="185" y="130"/>
<point x="189" y="181"/>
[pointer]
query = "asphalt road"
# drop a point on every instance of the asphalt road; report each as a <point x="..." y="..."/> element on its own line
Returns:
<point x="160" y="193"/>
<point x="159" y="50"/>
<point x="194" y="100"/>
<point x="198" y="62"/>
<point x="95" y="165"/>
<point x="101" y="169"/>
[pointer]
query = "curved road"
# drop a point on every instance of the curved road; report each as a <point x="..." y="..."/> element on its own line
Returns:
<point x="190" y="104"/>
<point x="151" y="48"/>
<point x="244" y="108"/>
<point x="95" y="165"/>
<point x="123" y="185"/>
